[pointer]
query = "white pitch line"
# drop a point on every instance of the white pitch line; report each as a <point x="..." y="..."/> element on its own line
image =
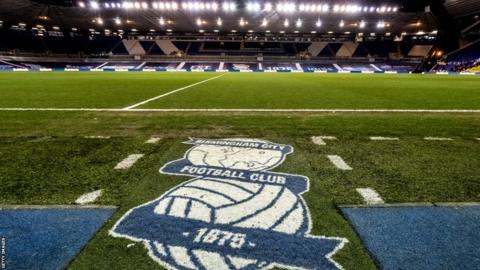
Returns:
<point x="128" y="162"/>
<point x="97" y="137"/>
<point x="89" y="197"/>
<point x="320" y="140"/>
<point x="172" y="92"/>
<point x="339" y="162"/>
<point x="437" y="139"/>
<point x="380" y="138"/>
<point x="244" y="110"/>
<point x="370" y="196"/>
<point x="153" y="140"/>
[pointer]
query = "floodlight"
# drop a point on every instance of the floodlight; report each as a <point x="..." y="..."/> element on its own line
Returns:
<point x="298" y="23"/>
<point x="264" y="22"/>
<point x="94" y="4"/>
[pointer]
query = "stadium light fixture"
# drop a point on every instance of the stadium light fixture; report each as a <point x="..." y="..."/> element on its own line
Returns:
<point x="161" y="21"/>
<point x="94" y="5"/>
<point x="341" y="24"/>
<point x="264" y="22"/>
<point x="229" y="6"/>
<point x="81" y="4"/>
<point x="298" y="23"/>
<point x="99" y="21"/>
<point x="362" y="24"/>
<point x="286" y="7"/>
<point x="219" y="22"/>
<point x="268" y="7"/>
<point x="286" y="23"/>
<point x="242" y="22"/>
<point x="253" y="7"/>
<point x="381" y="24"/>
<point x="318" y="23"/>
<point x="118" y="21"/>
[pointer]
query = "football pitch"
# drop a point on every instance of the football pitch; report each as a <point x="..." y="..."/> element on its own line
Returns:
<point x="272" y="91"/>
<point x="410" y="138"/>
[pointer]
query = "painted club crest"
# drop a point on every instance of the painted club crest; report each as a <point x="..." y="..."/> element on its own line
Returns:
<point x="233" y="214"/>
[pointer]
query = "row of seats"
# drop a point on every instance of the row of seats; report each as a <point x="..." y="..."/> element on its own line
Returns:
<point x="212" y="66"/>
<point x="466" y="59"/>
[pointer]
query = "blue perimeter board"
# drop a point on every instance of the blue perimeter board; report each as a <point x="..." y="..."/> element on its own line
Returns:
<point x="420" y="237"/>
<point x="48" y="238"/>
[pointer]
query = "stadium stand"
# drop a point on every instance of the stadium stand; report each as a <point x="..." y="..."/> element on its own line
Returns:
<point x="398" y="50"/>
<point x="465" y="59"/>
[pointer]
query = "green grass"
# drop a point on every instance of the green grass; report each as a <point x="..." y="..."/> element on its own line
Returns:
<point x="45" y="159"/>
<point x="87" y="89"/>
<point x="239" y="90"/>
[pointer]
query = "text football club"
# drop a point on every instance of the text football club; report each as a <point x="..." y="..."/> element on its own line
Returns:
<point x="233" y="214"/>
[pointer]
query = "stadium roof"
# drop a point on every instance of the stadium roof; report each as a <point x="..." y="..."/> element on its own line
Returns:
<point x="218" y="15"/>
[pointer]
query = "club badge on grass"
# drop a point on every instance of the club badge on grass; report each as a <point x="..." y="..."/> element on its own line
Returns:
<point x="234" y="213"/>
